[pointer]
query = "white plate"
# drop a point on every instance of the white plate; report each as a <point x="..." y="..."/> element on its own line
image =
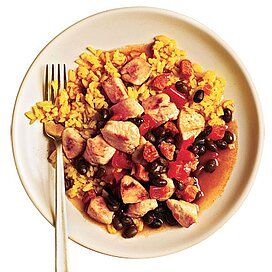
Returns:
<point x="117" y="28"/>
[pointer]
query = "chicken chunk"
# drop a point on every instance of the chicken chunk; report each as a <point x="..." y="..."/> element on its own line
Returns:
<point x="99" y="211"/>
<point x="132" y="191"/>
<point x="141" y="208"/>
<point x="137" y="156"/>
<point x="115" y="89"/>
<point x="190" y="123"/>
<point x="163" y="193"/>
<point x="184" y="212"/>
<point x="124" y="136"/>
<point x="98" y="151"/>
<point x="137" y="71"/>
<point x="72" y="142"/>
<point x="160" y="108"/>
<point x="127" y="108"/>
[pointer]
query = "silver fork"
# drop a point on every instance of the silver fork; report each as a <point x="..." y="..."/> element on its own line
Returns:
<point x="61" y="237"/>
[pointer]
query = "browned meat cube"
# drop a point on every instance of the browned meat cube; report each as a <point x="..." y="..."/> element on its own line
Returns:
<point x="124" y="136"/>
<point x="184" y="212"/>
<point x="137" y="71"/>
<point x="167" y="150"/>
<point x="132" y="191"/>
<point x="115" y="89"/>
<point x="72" y="142"/>
<point x="127" y="108"/>
<point x="141" y="208"/>
<point x="190" y="123"/>
<point x="99" y="211"/>
<point x="160" y="108"/>
<point x="98" y="151"/>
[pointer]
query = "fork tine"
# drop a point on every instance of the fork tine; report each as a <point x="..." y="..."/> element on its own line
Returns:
<point x="52" y="79"/>
<point x="59" y="79"/>
<point x="64" y="77"/>
<point x="46" y="84"/>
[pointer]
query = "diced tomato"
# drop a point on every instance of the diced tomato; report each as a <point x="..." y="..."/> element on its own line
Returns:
<point x="148" y="124"/>
<point x="176" y="97"/>
<point x="208" y="156"/>
<point x="160" y="81"/>
<point x="207" y="89"/>
<point x="141" y="173"/>
<point x="118" y="175"/>
<point x="188" y="194"/>
<point x="171" y="127"/>
<point x="186" y="143"/>
<point x="217" y="132"/>
<point x="167" y="150"/>
<point x="178" y="171"/>
<point x="157" y="192"/>
<point x="185" y="156"/>
<point x="186" y="69"/>
<point x="150" y="152"/>
<point x="121" y="160"/>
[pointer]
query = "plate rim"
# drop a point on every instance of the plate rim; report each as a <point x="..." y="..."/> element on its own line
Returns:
<point x="225" y="45"/>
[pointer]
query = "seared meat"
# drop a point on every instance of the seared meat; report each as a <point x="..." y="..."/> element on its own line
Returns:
<point x="99" y="211"/>
<point x="185" y="213"/>
<point x="137" y="156"/>
<point x="115" y="89"/>
<point x="160" y="108"/>
<point x="190" y="123"/>
<point x="124" y="136"/>
<point x="137" y="71"/>
<point x="141" y="208"/>
<point x="98" y="151"/>
<point x="132" y="191"/>
<point x="72" y="142"/>
<point x="127" y="108"/>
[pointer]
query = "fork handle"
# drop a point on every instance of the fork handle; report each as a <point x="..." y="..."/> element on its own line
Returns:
<point x="60" y="219"/>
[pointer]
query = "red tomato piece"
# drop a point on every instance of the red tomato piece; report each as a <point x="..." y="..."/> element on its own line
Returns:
<point x="171" y="127"/>
<point x="160" y="81"/>
<point x="148" y="124"/>
<point x="185" y="156"/>
<point x="208" y="156"/>
<point x="121" y="160"/>
<point x="157" y="192"/>
<point x="118" y="175"/>
<point x="178" y="171"/>
<point x="176" y="97"/>
<point x="186" y="143"/>
<point x="150" y="152"/>
<point x="188" y="194"/>
<point x="217" y="132"/>
<point x="167" y="150"/>
<point x="186" y="69"/>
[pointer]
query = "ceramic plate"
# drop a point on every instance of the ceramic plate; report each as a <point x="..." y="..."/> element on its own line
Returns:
<point x="115" y="28"/>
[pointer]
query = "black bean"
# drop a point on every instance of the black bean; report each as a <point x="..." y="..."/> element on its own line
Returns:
<point x="68" y="184"/>
<point x="210" y="145"/>
<point x="100" y="124"/>
<point x="160" y="132"/>
<point x="82" y="166"/>
<point x="211" y="165"/>
<point x="112" y="204"/>
<point x="105" y="114"/>
<point x="170" y="140"/>
<point x="178" y="185"/>
<point x="202" y="150"/>
<point x="227" y="117"/>
<point x="222" y="144"/>
<point x="126" y="220"/>
<point x="99" y="173"/>
<point x="149" y="217"/>
<point x="198" y="170"/>
<point x="112" y="200"/>
<point x="150" y="137"/>
<point x="159" y="182"/>
<point x="161" y="161"/>
<point x="207" y="130"/>
<point x="181" y="87"/>
<point x="157" y="223"/>
<point x="170" y="219"/>
<point x="152" y="166"/>
<point x="199" y="95"/>
<point x="199" y="141"/>
<point x="228" y="137"/>
<point x="137" y="121"/>
<point x="130" y="231"/>
<point x="155" y="175"/>
<point x="194" y="149"/>
<point x="117" y="223"/>
<point x="160" y="209"/>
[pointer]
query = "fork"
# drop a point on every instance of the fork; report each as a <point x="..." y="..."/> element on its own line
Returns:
<point x="61" y="237"/>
